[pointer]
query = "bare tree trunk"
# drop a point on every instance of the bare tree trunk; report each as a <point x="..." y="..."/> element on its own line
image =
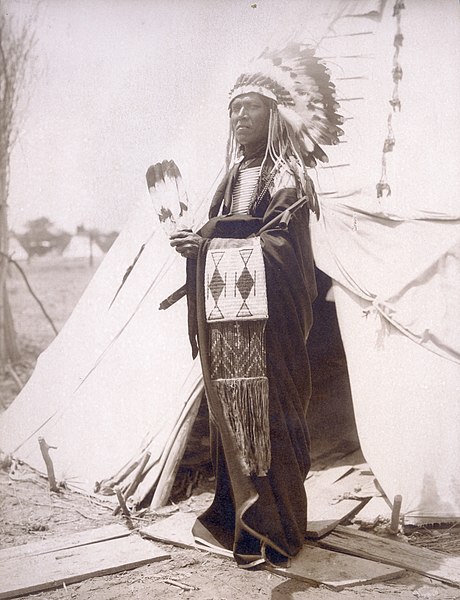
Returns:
<point x="8" y="341"/>
<point x="3" y="267"/>
<point x="9" y="351"/>
<point x="15" y="46"/>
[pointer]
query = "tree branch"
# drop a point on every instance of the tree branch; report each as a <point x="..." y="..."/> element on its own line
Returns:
<point x="29" y="287"/>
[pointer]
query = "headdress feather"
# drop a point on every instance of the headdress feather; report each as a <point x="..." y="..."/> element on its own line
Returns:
<point x="302" y="89"/>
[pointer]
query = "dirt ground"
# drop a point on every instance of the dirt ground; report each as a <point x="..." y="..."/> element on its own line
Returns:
<point x="29" y="512"/>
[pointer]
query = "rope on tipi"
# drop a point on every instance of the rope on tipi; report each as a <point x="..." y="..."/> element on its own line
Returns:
<point x="383" y="186"/>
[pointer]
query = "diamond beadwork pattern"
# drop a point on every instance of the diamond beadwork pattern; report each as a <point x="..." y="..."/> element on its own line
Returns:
<point x="245" y="281"/>
<point x="216" y="285"/>
<point x="235" y="282"/>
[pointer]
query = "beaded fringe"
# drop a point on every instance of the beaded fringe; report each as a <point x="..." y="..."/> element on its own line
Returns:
<point x="238" y="373"/>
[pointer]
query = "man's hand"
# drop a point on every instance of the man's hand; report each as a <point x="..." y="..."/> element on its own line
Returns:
<point x="186" y="243"/>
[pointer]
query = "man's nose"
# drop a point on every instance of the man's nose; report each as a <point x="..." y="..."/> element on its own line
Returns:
<point x="243" y="112"/>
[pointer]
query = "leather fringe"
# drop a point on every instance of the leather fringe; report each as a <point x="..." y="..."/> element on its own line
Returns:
<point x="245" y="406"/>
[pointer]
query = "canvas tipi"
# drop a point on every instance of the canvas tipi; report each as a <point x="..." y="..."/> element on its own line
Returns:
<point x="82" y="246"/>
<point x="117" y="389"/>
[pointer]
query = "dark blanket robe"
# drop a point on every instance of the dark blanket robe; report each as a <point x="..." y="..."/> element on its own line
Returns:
<point x="250" y="515"/>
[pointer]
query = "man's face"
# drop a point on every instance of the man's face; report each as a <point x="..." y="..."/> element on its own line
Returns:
<point x="250" y="118"/>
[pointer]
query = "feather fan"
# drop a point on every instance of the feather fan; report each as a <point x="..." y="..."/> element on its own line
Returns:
<point x="168" y="196"/>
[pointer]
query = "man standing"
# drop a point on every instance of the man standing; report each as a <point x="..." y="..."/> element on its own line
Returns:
<point x="250" y="286"/>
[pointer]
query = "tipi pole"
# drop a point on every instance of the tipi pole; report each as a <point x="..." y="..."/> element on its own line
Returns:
<point x="168" y="474"/>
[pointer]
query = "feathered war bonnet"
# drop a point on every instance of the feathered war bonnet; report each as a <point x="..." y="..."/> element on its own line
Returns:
<point x="303" y="114"/>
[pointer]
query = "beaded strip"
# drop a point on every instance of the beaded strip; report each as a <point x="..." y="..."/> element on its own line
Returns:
<point x="383" y="186"/>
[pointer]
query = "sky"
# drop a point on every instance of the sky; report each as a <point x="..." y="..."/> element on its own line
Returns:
<point x="116" y="85"/>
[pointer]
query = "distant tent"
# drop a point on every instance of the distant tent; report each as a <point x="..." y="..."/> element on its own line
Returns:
<point x="117" y="390"/>
<point x="82" y="246"/>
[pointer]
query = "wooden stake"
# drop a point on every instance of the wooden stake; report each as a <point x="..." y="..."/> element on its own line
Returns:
<point x="137" y="479"/>
<point x="124" y="508"/>
<point x="44" y="447"/>
<point x="395" y="513"/>
<point x="116" y="479"/>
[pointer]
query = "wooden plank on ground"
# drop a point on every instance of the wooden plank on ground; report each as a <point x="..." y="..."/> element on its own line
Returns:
<point x="356" y="485"/>
<point x="324" y="517"/>
<point x="46" y="571"/>
<point x="312" y="565"/>
<point x="365" y="487"/>
<point x="344" y="481"/>
<point x="391" y="552"/>
<point x="62" y="542"/>
<point x="331" y="498"/>
<point x="377" y="509"/>
<point x="177" y="530"/>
